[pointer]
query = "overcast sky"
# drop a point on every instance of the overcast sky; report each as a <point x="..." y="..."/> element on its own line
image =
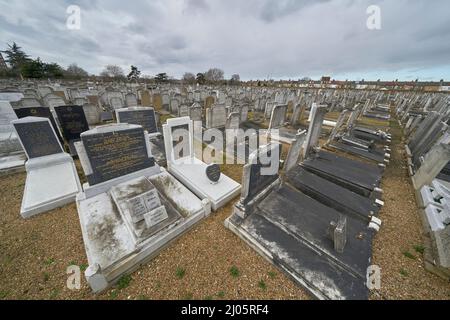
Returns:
<point x="255" y="38"/>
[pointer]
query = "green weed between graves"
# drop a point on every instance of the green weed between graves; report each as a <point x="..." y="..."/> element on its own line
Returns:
<point x="234" y="271"/>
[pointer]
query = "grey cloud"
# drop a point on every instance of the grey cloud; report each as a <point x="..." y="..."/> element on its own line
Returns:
<point x="255" y="38"/>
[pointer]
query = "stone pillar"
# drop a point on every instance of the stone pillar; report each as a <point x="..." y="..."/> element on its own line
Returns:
<point x="315" y="127"/>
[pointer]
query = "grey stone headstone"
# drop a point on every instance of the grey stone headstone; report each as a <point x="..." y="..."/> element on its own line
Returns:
<point x="233" y="121"/>
<point x="183" y="111"/>
<point x="195" y="113"/>
<point x="278" y="116"/>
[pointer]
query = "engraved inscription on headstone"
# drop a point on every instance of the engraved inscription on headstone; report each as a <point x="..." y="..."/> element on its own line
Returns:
<point x="114" y="154"/>
<point x="43" y="112"/>
<point x="142" y="204"/>
<point x="145" y="118"/>
<point x="73" y="121"/>
<point x="38" y="138"/>
<point x="156" y="216"/>
<point x="151" y="199"/>
<point x="137" y="208"/>
<point x="213" y="172"/>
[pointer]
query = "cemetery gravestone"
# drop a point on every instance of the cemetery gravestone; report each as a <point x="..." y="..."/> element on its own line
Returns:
<point x="73" y="122"/>
<point x="144" y="117"/>
<point x="38" y="112"/>
<point x="52" y="179"/>
<point x="115" y="153"/>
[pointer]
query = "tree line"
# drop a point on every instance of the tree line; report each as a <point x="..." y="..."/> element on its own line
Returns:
<point x="21" y="65"/>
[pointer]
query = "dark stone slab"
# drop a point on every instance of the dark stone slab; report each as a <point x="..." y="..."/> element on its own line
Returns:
<point x="331" y="194"/>
<point x="42" y="112"/>
<point x="258" y="182"/>
<point x="322" y="271"/>
<point x="354" y="175"/>
<point x="72" y="120"/>
<point x="371" y="154"/>
<point x="145" y="118"/>
<point x="115" y="154"/>
<point x="38" y="138"/>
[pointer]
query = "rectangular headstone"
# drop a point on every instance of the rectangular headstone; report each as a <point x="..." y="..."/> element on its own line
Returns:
<point x="72" y="120"/>
<point x="144" y="117"/>
<point x="42" y="112"/>
<point x="116" y="153"/>
<point x="253" y="181"/>
<point x="37" y="137"/>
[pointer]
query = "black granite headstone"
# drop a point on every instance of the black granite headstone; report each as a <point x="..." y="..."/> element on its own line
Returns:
<point x="72" y="120"/>
<point x="213" y="172"/>
<point x="115" y="154"/>
<point x="38" y="138"/>
<point x="146" y="118"/>
<point x="257" y="181"/>
<point x="42" y="112"/>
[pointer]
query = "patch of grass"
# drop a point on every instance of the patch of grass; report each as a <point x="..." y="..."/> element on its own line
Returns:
<point x="208" y="298"/>
<point x="403" y="272"/>
<point x="234" y="271"/>
<point x="113" y="294"/>
<point x="180" y="272"/>
<point x="46" y="276"/>
<point x="49" y="261"/>
<point x="419" y="248"/>
<point x="3" y="294"/>
<point x="83" y="266"/>
<point x="124" y="281"/>
<point x="262" y="284"/>
<point x="142" y="297"/>
<point x="221" y="294"/>
<point x="54" y="294"/>
<point x="409" y="255"/>
<point x="188" y="296"/>
<point x="272" y="274"/>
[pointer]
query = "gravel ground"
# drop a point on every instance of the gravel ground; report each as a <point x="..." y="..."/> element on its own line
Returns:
<point x="35" y="253"/>
<point x="399" y="244"/>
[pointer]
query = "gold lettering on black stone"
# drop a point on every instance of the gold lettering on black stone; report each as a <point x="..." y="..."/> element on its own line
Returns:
<point x="115" y="154"/>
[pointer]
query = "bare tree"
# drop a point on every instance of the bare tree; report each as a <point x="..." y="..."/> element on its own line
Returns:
<point x="235" y="78"/>
<point x="75" y="71"/>
<point x="189" y="78"/>
<point x="112" y="71"/>
<point x="214" y="75"/>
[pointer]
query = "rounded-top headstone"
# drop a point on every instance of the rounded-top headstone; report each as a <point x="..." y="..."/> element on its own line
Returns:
<point x="213" y="172"/>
